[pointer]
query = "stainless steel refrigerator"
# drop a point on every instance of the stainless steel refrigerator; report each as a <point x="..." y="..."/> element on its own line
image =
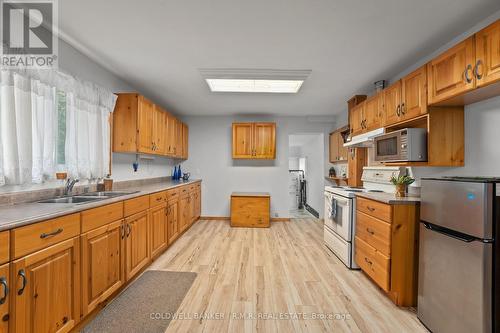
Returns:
<point x="458" y="254"/>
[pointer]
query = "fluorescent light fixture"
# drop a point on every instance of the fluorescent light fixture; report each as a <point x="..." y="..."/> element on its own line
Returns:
<point x="255" y="86"/>
<point x="255" y="80"/>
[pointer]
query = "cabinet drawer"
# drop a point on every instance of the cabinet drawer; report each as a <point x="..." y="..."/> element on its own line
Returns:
<point x="37" y="236"/>
<point x="183" y="190"/>
<point x="375" y="209"/>
<point x="97" y="217"/>
<point x="4" y="247"/>
<point x="375" y="232"/>
<point x="172" y="194"/>
<point x="158" y="198"/>
<point x="373" y="263"/>
<point x="136" y="205"/>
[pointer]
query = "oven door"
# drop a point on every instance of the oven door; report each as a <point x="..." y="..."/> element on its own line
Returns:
<point x="388" y="147"/>
<point x="338" y="215"/>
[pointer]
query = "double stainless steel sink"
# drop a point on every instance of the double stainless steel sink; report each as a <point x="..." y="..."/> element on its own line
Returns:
<point x="86" y="197"/>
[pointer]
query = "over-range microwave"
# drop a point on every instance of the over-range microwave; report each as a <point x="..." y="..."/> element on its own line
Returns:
<point x="405" y="145"/>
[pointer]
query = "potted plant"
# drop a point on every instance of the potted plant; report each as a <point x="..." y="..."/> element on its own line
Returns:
<point x="401" y="183"/>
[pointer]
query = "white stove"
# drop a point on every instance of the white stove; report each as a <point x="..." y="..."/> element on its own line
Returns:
<point x="340" y="210"/>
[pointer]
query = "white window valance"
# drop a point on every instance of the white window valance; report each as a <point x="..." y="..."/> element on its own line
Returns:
<point x="51" y="121"/>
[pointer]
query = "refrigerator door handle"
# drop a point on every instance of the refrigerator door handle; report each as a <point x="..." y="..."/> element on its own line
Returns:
<point x="450" y="233"/>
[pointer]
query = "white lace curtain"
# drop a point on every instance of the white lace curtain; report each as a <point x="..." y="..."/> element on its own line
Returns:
<point x="29" y="127"/>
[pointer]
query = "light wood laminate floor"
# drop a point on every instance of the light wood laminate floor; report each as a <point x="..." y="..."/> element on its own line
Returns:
<point x="282" y="271"/>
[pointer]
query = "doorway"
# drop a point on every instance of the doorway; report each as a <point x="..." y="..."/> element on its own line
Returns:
<point x="306" y="179"/>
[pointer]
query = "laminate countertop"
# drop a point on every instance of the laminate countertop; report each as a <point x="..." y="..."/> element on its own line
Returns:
<point x="17" y="215"/>
<point x="389" y="198"/>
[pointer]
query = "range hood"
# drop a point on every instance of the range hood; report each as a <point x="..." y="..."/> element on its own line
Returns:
<point x="364" y="140"/>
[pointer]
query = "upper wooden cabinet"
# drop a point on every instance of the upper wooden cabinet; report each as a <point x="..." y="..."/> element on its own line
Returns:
<point x="185" y="142"/>
<point x="452" y="73"/>
<point x="338" y="153"/>
<point x="367" y="115"/>
<point x="406" y="98"/>
<point x="356" y="119"/>
<point x="254" y="140"/>
<point x="139" y="126"/>
<point x="468" y="72"/>
<point x="487" y="68"/>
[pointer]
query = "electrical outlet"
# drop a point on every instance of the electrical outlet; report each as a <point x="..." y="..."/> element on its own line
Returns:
<point x="276" y="215"/>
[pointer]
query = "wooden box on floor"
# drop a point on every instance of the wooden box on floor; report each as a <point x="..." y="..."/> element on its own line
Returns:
<point x="251" y="210"/>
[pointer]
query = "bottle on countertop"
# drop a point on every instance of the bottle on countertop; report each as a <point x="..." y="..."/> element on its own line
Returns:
<point x="179" y="173"/>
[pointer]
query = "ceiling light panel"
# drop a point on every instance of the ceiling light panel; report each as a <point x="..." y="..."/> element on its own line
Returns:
<point x="255" y="86"/>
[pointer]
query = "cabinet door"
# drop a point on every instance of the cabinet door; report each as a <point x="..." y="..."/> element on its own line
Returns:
<point x="392" y="104"/>
<point x="414" y="94"/>
<point x="170" y="128"/>
<point x="158" y="221"/>
<point x="5" y="286"/>
<point x="192" y="204"/>
<point x="372" y="112"/>
<point x="102" y="264"/>
<point x="173" y="221"/>
<point x="178" y="139"/>
<point x="342" y="150"/>
<point x="136" y="244"/>
<point x="159" y="137"/>
<point x="264" y="140"/>
<point x="242" y="140"/>
<point x="451" y="73"/>
<point x="334" y="147"/>
<point x="185" y="141"/>
<point x="46" y="292"/>
<point x="356" y="119"/>
<point x="145" y="126"/>
<point x="198" y="202"/>
<point x="184" y="213"/>
<point x="487" y="68"/>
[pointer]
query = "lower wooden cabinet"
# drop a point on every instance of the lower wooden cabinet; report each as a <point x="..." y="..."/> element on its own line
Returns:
<point x="197" y="203"/>
<point x="136" y="244"/>
<point x="46" y="292"/>
<point x="172" y="220"/>
<point x="250" y="210"/>
<point x="185" y="211"/>
<point x="159" y="229"/>
<point x="102" y="264"/>
<point x="5" y="285"/>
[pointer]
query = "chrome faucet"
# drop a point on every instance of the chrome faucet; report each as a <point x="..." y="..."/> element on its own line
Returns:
<point x="70" y="183"/>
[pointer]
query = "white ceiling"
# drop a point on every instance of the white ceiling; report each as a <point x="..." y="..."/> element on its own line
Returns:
<point x="159" y="45"/>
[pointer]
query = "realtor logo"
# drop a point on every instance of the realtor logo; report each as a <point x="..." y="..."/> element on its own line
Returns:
<point x="28" y="38"/>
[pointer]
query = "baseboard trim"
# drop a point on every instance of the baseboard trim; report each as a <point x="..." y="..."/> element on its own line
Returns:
<point x="227" y="218"/>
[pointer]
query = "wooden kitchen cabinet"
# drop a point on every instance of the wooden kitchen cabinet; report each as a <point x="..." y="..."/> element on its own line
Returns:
<point x="254" y="140"/>
<point x="137" y="254"/>
<point x="251" y="210"/>
<point x="140" y="126"/>
<point x="5" y="286"/>
<point x="414" y="94"/>
<point x="487" y="66"/>
<point x="45" y="296"/>
<point x="172" y="220"/>
<point x="338" y="153"/>
<point x="386" y="247"/>
<point x="392" y="103"/>
<point x="103" y="260"/>
<point x="451" y="73"/>
<point x="372" y="112"/>
<point x="356" y="119"/>
<point x="185" y="212"/>
<point x="158" y="229"/>
<point x="357" y="159"/>
<point x="185" y="141"/>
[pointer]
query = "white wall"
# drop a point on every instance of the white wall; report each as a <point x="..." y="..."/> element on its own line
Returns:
<point x="210" y="159"/>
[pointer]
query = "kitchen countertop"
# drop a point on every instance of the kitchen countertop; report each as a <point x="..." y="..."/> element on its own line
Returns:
<point x="390" y="198"/>
<point x="13" y="216"/>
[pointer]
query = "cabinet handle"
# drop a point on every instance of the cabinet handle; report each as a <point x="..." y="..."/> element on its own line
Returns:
<point x="128" y="230"/>
<point x="467" y="78"/>
<point x="3" y="282"/>
<point x="371" y="209"/>
<point x="370" y="231"/>
<point x="51" y="234"/>
<point x="368" y="261"/>
<point x="476" y="70"/>
<point x="398" y="110"/>
<point x="22" y="274"/>
<point x="122" y="231"/>
<point x="159" y="199"/>
<point x="403" y="107"/>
